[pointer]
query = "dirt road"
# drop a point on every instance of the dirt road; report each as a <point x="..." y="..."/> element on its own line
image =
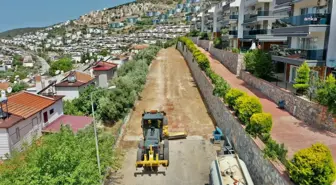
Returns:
<point x="170" y="87"/>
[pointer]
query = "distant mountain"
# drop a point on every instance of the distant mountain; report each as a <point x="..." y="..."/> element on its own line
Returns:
<point x="18" y="31"/>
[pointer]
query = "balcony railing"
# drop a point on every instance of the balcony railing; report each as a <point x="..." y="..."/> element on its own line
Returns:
<point x="256" y="32"/>
<point x="233" y="16"/>
<point x="252" y="17"/>
<point x="233" y="32"/>
<point x="307" y="54"/>
<point x="306" y="19"/>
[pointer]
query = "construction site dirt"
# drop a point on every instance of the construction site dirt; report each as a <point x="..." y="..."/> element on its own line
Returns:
<point x="170" y="87"/>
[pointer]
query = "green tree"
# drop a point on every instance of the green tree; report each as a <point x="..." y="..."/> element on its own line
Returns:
<point x="313" y="165"/>
<point x="104" y="52"/>
<point x="63" y="64"/>
<point x="259" y="63"/>
<point x="61" y="158"/>
<point x="218" y="43"/>
<point x="17" y="87"/>
<point x="326" y="93"/>
<point x="302" y="78"/>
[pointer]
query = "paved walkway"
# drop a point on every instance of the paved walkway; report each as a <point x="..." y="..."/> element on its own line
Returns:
<point x="286" y="128"/>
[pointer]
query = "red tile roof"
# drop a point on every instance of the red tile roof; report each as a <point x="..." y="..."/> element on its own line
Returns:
<point x="23" y="105"/>
<point x="26" y="104"/>
<point x="75" y="122"/>
<point x="104" y="66"/>
<point x="4" y="85"/>
<point x="81" y="79"/>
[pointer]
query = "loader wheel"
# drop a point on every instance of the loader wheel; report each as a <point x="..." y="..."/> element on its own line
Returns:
<point x="166" y="156"/>
<point x="141" y="144"/>
<point x="161" y="154"/>
<point x="139" y="156"/>
<point x="166" y="144"/>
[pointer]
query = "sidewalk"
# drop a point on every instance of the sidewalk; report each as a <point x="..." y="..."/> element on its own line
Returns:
<point x="286" y="129"/>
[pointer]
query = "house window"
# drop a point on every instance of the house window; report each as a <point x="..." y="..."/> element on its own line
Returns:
<point x="51" y="111"/>
<point x="292" y="75"/>
<point x="309" y="10"/>
<point x="308" y="43"/>
<point x="17" y="133"/>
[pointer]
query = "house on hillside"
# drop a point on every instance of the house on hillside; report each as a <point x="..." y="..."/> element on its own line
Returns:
<point x="74" y="83"/>
<point x="105" y="72"/>
<point x="23" y="116"/>
<point x="28" y="61"/>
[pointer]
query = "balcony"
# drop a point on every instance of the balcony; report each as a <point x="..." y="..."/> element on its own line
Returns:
<point x="233" y="16"/>
<point x="301" y="25"/>
<point x="296" y="56"/>
<point x="233" y="32"/>
<point x="262" y="34"/>
<point x="254" y="17"/>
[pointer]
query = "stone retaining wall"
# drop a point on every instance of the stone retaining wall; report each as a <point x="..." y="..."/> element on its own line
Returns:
<point x="233" y="61"/>
<point x="307" y="111"/>
<point x="262" y="170"/>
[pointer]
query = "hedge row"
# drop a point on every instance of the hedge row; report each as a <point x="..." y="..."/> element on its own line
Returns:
<point x="247" y="108"/>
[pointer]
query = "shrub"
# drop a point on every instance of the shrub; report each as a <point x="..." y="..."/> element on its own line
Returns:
<point x="313" y="165"/>
<point x="326" y="93"/>
<point x="235" y="50"/>
<point x="302" y="78"/>
<point x="194" y="33"/>
<point x="260" y="123"/>
<point x="246" y="106"/>
<point x="203" y="36"/>
<point x="221" y="87"/>
<point x="218" y="43"/>
<point x="273" y="150"/>
<point x="259" y="63"/>
<point x="64" y="64"/>
<point x="232" y="96"/>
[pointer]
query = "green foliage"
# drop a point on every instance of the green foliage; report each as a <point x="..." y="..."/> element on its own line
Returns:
<point x="246" y="106"/>
<point x="194" y="33"/>
<point x="302" y="78"/>
<point x="273" y="150"/>
<point x="17" y="87"/>
<point x="326" y="93"/>
<point x="218" y="42"/>
<point x="224" y="31"/>
<point x="221" y="87"/>
<point x="235" y="50"/>
<point x="63" y="64"/>
<point x="260" y="123"/>
<point x="232" y="96"/>
<point x="259" y="63"/>
<point x="104" y="52"/>
<point x="144" y="21"/>
<point x="112" y="105"/>
<point x="61" y="158"/>
<point x="313" y="165"/>
<point x="203" y="36"/>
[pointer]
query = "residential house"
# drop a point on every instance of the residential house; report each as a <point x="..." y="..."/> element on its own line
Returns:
<point x="105" y="72"/>
<point x="74" y="83"/>
<point x="307" y="26"/>
<point x="23" y="116"/>
<point x="28" y="61"/>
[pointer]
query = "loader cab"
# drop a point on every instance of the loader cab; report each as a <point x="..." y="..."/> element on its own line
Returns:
<point x="153" y="119"/>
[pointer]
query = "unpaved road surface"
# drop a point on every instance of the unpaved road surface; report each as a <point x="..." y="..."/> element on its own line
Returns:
<point x="170" y="87"/>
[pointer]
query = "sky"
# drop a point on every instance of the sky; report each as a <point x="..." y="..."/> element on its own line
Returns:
<point x="40" y="13"/>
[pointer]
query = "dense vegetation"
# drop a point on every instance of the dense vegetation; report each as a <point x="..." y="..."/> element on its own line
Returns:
<point x="60" y="158"/>
<point x="111" y="105"/>
<point x="18" y="31"/>
<point x="326" y="93"/>
<point x="259" y="63"/>
<point x="302" y="78"/>
<point x="245" y="106"/>
<point x="63" y="64"/>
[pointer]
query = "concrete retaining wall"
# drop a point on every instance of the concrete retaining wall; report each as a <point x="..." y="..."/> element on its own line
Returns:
<point x="261" y="169"/>
<point x="307" y="111"/>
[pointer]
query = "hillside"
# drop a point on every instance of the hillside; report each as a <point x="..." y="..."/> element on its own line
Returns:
<point x="18" y="31"/>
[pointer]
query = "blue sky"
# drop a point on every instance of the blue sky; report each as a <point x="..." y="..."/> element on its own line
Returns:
<point x="37" y="13"/>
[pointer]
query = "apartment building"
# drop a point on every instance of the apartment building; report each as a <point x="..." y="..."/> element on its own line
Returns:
<point x="307" y="27"/>
<point x="257" y="24"/>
